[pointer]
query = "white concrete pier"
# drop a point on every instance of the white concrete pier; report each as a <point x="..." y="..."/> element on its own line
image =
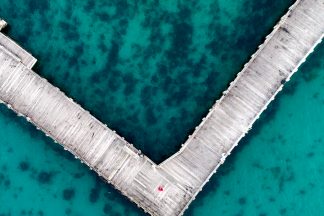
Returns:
<point x="166" y="189"/>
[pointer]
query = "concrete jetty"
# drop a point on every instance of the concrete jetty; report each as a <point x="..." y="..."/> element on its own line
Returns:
<point x="168" y="188"/>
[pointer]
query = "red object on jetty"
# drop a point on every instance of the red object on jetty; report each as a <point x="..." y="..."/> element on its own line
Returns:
<point x="160" y="188"/>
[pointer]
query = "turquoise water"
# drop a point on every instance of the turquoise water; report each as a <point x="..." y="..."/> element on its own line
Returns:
<point x="151" y="70"/>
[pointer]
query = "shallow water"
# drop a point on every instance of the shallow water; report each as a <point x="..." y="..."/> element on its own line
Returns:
<point x="151" y="71"/>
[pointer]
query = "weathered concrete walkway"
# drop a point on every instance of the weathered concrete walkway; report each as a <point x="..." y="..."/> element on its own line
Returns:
<point x="168" y="188"/>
